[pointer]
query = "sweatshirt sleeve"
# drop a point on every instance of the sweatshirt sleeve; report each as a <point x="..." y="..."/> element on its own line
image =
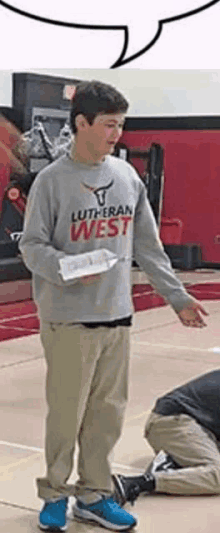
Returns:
<point x="151" y="257"/>
<point x="38" y="252"/>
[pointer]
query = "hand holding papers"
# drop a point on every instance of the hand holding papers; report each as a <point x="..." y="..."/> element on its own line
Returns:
<point x="87" y="264"/>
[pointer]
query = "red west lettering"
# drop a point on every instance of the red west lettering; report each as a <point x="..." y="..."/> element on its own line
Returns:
<point x="83" y="229"/>
<point x="112" y="227"/>
<point x="100" y="227"/>
<point x="125" y="221"/>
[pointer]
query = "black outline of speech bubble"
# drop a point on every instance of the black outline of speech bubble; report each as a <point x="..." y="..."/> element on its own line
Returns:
<point x="120" y="61"/>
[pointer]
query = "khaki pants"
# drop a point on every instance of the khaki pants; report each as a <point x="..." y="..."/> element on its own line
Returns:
<point x="86" y="388"/>
<point x="193" y="447"/>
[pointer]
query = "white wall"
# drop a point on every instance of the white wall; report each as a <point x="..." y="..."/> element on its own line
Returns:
<point x="150" y="92"/>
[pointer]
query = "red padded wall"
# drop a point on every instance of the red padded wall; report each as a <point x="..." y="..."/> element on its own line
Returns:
<point x="192" y="182"/>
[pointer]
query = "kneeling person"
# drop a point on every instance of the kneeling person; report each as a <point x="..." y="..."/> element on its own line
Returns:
<point x="184" y="431"/>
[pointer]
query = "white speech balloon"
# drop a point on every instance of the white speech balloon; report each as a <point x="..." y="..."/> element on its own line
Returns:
<point x="142" y="19"/>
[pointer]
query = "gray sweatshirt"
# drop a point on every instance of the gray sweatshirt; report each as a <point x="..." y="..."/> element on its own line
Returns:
<point x="74" y="208"/>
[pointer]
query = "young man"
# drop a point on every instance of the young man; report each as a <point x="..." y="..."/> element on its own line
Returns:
<point x="85" y="201"/>
<point x="184" y="427"/>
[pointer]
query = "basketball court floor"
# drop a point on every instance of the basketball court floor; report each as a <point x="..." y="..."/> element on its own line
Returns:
<point x="164" y="354"/>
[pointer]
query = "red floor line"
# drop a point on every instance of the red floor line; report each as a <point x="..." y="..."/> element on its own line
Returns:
<point x="18" y="328"/>
<point x="145" y="298"/>
<point x="17" y="317"/>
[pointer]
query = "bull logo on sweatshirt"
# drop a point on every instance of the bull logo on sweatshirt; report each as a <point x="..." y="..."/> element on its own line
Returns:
<point x="99" y="193"/>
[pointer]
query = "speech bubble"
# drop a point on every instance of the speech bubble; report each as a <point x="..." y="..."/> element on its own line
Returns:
<point x="142" y="20"/>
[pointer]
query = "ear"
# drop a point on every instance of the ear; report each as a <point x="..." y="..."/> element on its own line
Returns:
<point x="81" y="123"/>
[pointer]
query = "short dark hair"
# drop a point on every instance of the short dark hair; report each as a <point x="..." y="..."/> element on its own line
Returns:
<point x="14" y="116"/>
<point x="92" y="98"/>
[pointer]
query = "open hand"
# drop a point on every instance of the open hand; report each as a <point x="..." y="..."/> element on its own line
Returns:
<point x="190" y="316"/>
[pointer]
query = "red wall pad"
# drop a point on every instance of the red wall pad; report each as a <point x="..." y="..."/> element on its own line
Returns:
<point x="192" y="182"/>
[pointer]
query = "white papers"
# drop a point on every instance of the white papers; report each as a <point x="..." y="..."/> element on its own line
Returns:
<point x="87" y="264"/>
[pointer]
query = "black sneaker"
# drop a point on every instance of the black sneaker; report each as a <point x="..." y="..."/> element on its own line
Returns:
<point x="127" y="489"/>
<point x="161" y="463"/>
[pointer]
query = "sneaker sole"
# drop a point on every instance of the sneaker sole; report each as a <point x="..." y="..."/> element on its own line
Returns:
<point x="52" y="529"/>
<point x="120" y="493"/>
<point x="157" y="461"/>
<point x="161" y="459"/>
<point x="86" y="516"/>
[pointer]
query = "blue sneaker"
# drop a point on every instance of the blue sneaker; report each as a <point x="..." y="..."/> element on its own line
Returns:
<point x="53" y="515"/>
<point x="107" y="513"/>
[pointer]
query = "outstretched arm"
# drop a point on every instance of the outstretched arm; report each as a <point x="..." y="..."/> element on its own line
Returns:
<point x="150" y="255"/>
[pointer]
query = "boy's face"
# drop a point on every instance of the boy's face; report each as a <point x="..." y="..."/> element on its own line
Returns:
<point x="102" y="136"/>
